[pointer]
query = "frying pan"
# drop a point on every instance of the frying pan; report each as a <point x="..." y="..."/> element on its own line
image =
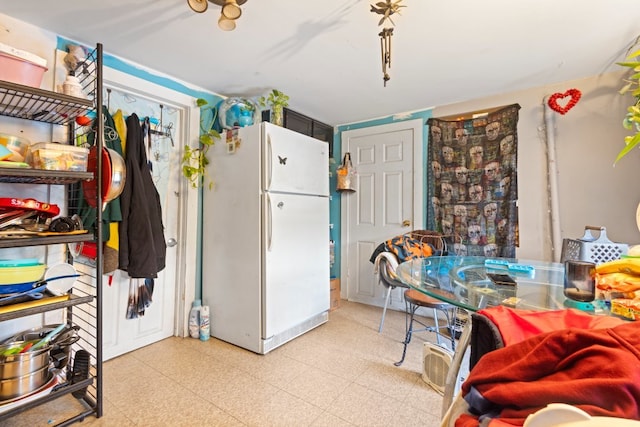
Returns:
<point x="35" y="293"/>
<point x="90" y="187"/>
<point x="13" y="203"/>
<point x="113" y="176"/>
<point x="118" y="175"/>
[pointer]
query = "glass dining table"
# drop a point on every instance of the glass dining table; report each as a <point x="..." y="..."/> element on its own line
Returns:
<point x="473" y="283"/>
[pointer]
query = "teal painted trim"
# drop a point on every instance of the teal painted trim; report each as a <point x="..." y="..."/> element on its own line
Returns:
<point x="131" y="69"/>
<point x="335" y="204"/>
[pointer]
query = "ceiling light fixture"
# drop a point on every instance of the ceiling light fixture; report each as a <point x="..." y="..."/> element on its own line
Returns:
<point x="386" y="9"/>
<point x="228" y="14"/>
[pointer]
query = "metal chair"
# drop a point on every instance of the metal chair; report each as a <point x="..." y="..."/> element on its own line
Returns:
<point x="386" y="263"/>
<point x="415" y="299"/>
<point x="386" y="279"/>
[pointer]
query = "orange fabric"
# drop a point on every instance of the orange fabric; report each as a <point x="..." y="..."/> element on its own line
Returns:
<point x="596" y="370"/>
<point x="408" y="246"/>
<point x="517" y="325"/>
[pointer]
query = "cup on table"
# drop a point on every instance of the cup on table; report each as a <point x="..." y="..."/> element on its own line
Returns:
<point x="579" y="280"/>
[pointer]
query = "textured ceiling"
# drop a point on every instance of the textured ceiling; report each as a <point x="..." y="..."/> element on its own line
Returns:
<point x="326" y="55"/>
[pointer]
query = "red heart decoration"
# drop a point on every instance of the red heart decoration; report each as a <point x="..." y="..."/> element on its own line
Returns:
<point x="575" y="95"/>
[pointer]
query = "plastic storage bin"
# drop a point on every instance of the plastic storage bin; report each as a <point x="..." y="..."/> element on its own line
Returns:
<point x="18" y="66"/>
<point x="17" y="145"/>
<point x="60" y="157"/>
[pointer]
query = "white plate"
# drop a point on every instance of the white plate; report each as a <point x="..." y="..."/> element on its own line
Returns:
<point x="60" y="286"/>
<point x="638" y="216"/>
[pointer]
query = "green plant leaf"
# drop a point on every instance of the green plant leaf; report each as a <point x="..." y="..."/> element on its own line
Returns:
<point x="633" y="64"/>
<point x="634" y="54"/>
<point x="631" y="144"/>
<point x="194" y="160"/>
<point x="625" y="88"/>
<point x="632" y="84"/>
<point x="275" y="98"/>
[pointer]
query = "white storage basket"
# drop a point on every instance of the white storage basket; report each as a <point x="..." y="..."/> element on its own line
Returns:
<point x="591" y="249"/>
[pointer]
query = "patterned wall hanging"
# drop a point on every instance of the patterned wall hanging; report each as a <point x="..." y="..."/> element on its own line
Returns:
<point x="472" y="182"/>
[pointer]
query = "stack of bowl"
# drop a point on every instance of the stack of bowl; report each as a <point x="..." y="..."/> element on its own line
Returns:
<point x="19" y="275"/>
<point x="60" y="344"/>
<point x="22" y="373"/>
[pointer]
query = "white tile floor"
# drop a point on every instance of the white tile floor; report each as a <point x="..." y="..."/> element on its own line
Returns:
<point x="339" y="374"/>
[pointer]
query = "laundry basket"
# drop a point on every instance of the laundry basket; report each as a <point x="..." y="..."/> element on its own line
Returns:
<point x="591" y="249"/>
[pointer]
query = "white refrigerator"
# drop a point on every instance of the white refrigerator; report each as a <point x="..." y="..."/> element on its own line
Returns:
<point x="265" y="255"/>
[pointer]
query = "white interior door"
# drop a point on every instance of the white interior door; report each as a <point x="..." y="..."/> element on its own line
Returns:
<point x="163" y="318"/>
<point x="387" y="201"/>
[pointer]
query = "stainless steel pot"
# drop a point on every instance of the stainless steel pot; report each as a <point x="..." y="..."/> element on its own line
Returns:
<point x="20" y="356"/>
<point x="63" y="338"/>
<point x="118" y="175"/>
<point x="11" y="388"/>
<point x="60" y="345"/>
<point x="114" y="173"/>
<point x="25" y="363"/>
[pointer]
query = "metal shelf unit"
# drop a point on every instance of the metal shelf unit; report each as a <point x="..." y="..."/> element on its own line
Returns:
<point x="84" y="306"/>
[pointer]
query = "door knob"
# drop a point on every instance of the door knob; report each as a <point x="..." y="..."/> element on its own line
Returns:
<point x="171" y="242"/>
<point x="406" y="223"/>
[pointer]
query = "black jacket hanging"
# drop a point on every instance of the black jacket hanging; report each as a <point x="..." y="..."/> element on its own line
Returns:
<point x="142" y="243"/>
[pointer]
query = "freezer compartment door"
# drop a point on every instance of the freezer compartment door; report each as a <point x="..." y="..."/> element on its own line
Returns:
<point x="294" y="163"/>
<point x="296" y="265"/>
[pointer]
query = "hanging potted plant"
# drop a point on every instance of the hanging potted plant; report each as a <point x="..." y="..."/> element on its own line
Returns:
<point x="194" y="160"/>
<point x="632" y="119"/>
<point x="276" y="100"/>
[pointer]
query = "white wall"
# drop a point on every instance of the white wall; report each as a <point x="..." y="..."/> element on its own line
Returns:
<point x="588" y="139"/>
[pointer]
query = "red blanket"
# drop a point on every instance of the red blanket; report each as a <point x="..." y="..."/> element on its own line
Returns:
<point x="516" y="325"/>
<point x="597" y="371"/>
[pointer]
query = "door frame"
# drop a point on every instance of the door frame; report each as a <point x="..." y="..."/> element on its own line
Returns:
<point x="188" y="209"/>
<point x="419" y="182"/>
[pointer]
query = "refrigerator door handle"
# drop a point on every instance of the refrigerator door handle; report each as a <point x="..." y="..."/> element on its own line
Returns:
<point x="269" y="223"/>
<point x="269" y="171"/>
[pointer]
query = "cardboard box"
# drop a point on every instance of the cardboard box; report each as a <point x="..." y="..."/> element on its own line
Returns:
<point x="334" y="290"/>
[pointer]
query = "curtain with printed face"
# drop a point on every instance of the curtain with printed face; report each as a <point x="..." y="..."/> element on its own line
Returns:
<point x="472" y="183"/>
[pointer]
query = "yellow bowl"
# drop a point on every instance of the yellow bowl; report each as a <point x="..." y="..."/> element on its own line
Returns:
<point x="22" y="274"/>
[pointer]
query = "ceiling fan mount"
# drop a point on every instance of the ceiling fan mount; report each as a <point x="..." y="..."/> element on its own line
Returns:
<point x="200" y="6"/>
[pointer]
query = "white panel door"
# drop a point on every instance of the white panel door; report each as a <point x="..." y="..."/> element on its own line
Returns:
<point x="121" y="334"/>
<point x="387" y="201"/>
<point x="296" y="267"/>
